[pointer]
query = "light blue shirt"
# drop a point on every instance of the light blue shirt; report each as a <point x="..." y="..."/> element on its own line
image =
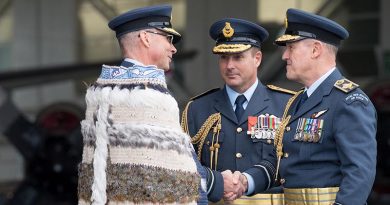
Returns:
<point x="248" y="94"/>
<point x="318" y="82"/>
<point x="232" y="98"/>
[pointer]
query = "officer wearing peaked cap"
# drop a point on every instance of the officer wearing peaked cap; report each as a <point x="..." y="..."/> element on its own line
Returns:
<point x="157" y="17"/>
<point x="233" y="128"/>
<point x="132" y="120"/>
<point x="300" y="25"/>
<point x="326" y="143"/>
<point x="236" y="35"/>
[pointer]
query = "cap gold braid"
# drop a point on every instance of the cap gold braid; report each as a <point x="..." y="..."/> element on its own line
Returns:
<point x="171" y="30"/>
<point x="287" y="37"/>
<point x="231" y="48"/>
<point x="278" y="142"/>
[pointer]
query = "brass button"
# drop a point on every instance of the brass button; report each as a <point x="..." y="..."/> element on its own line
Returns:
<point x="285" y="155"/>
<point x="282" y="181"/>
<point x="269" y="141"/>
<point x="288" y="128"/>
<point x="239" y="129"/>
<point x="238" y="155"/>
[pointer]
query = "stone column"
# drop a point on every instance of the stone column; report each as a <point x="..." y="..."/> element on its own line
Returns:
<point x="46" y="33"/>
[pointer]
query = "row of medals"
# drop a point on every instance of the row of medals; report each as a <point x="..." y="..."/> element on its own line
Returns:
<point x="309" y="130"/>
<point x="263" y="127"/>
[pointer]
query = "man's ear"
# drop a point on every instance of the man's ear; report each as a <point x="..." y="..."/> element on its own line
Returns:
<point x="258" y="58"/>
<point x="144" y="37"/>
<point x="317" y="49"/>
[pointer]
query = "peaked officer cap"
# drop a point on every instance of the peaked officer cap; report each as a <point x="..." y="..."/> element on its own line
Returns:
<point x="236" y="35"/>
<point x="301" y="24"/>
<point x="158" y="17"/>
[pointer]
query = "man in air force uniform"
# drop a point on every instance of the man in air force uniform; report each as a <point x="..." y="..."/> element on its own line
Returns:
<point x="233" y="128"/>
<point x="326" y="142"/>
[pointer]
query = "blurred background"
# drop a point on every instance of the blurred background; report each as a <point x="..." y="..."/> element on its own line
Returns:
<point x="51" y="49"/>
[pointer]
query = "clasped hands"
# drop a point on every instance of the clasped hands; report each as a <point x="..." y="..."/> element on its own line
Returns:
<point x="234" y="185"/>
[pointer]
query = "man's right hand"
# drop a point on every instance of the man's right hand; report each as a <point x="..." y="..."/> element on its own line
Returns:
<point x="235" y="185"/>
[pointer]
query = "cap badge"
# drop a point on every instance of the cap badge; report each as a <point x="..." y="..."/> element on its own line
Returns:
<point x="227" y="31"/>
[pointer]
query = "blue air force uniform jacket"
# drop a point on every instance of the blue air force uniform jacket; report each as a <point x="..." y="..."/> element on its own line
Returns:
<point x="237" y="152"/>
<point x="344" y="154"/>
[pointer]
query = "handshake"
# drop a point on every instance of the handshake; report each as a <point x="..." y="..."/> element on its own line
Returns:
<point x="234" y="185"/>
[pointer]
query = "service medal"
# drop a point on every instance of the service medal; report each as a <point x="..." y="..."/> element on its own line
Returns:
<point x="252" y="126"/>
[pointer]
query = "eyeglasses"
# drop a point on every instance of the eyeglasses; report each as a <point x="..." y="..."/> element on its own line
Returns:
<point x="168" y="36"/>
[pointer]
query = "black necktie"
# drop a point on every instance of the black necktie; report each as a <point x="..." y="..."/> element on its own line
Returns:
<point x="239" y="108"/>
<point x="302" y="100"/>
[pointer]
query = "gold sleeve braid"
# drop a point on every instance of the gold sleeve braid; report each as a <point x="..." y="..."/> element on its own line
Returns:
<point x="212" y="122"/>
<point x="278" y="142"/>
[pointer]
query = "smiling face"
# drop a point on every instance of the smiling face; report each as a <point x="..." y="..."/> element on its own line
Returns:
<point x="239" y="70"/>
<point x="162" y="49"/>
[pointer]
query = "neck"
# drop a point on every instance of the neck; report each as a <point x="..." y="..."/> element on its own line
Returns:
<point x="318" y="70"/>
<point x="140" y="58"/>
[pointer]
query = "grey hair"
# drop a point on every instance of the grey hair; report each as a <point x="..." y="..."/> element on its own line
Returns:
<point x="127" y="41"/>
<point x="332" y="48"/>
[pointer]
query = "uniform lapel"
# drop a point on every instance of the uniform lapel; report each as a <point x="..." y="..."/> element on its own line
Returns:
<point x="294" y="105"/>
<point x="258" y="102"/>
<point x="316" y="98"/>
<point x="222" y="105"/>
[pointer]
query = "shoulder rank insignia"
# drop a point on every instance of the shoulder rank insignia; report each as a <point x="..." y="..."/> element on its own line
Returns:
<point x="283" y="90"/>
<point x="205" y="93"/>
<point x="345" y="85"/>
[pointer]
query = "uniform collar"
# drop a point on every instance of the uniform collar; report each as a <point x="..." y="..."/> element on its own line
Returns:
<point x="248" y="94"/>
<point x="318" y="82"/>
<point x="128" y="62"/>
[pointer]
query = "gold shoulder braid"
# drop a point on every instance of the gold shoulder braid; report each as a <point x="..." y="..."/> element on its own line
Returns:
<point x="213" y="121"/>
<point x="184" y="119"/>
<point x="278" y="142"/>
<point x="283" y="90"/>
